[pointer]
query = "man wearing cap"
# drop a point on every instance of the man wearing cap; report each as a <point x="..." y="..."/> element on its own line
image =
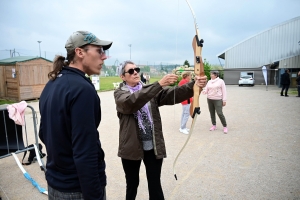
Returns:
<point x="70" y="115"/>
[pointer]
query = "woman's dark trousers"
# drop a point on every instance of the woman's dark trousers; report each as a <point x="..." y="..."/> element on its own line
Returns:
<point x="153" y="171"/>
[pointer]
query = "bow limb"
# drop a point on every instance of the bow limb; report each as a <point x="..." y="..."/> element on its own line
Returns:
<point x="199" y="71"/>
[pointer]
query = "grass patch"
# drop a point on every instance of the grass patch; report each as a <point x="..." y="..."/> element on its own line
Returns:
<point x="106" y="83"/>
<point x="293" y="91"/>
<point x="4" y="101"/>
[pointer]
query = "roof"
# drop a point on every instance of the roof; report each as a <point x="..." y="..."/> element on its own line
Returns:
<point x="222" y="54"/>
<point x="16" y="59"/>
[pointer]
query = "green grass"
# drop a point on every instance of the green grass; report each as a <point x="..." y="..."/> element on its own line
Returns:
<point x="155" y="79"/>
<point x="293" y="91"/>
<point x="106" y="83"/>
<point x="4" y="101"/>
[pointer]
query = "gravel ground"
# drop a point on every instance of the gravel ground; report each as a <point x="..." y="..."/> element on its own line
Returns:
<point x="259" y="158"/>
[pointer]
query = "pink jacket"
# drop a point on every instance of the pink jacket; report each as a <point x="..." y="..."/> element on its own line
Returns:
<point x="215" y="89"/>
<point x="16" y="112"/>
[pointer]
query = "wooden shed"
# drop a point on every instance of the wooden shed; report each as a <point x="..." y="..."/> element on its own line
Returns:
<point x="23" y="77"/>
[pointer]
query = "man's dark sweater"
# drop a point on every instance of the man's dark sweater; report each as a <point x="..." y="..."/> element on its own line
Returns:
<point x="70" y="115"/>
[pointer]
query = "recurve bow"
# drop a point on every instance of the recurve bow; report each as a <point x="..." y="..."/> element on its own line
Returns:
<point x="199" y="71"/>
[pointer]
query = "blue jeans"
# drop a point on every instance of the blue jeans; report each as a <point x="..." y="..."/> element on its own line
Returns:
<point x="185" y="115"/>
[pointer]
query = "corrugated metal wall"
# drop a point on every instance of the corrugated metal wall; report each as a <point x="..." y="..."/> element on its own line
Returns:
<point x="278" y="43"/>
<point x="293" y="62"/>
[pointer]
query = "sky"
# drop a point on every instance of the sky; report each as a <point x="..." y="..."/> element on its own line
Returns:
<point x="148" y="32"/>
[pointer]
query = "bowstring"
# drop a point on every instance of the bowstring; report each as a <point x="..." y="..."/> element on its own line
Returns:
<point x="175" y="68"/>
<point x="176" y="57"/>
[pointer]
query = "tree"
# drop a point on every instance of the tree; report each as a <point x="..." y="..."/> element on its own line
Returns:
<point x="146" y="69"/>
<point x="104" y="68"/>
<point x="163" y="69"/>
<point x="207" y="68"/>
<point x="114" y="68"/>
<point x="220" y="69"/>
<point x="186" y="63"/>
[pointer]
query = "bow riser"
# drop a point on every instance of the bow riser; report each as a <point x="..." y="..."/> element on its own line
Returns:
<point x="199" y="71"/>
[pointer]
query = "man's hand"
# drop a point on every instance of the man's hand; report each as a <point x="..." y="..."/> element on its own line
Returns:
<point x="168" y="79"/>
<point x="201" y="81"/>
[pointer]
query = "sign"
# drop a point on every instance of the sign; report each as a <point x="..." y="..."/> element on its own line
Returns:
<point x="13" y="73"/>
<point x="264" y="71"/>
<point x="96" y="81"/>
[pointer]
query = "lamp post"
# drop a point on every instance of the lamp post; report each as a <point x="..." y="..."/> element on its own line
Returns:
<point x="130" y="50"/>
<point x="39" y="46"/>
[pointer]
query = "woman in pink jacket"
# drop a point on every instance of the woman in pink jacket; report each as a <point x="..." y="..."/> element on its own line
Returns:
<point x="216" y="99"/>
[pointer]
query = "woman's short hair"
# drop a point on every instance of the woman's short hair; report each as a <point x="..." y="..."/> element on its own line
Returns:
<point x="215" y="72"/>
<point x="185" y="74"/>
<point x="122" y="70"/>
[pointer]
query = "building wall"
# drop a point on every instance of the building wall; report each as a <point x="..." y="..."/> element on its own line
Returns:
<point x="2" y="82"/>
<point x="232" y="76"/>
<point x="289" y="63"/>
<point x="275" y="44"/>
<point x="29" y="82"/>
<point x="34" y="72"/>
<point x="10" y="83"/>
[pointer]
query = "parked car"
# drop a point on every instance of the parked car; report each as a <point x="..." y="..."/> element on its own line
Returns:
<point x="246" y="80"/>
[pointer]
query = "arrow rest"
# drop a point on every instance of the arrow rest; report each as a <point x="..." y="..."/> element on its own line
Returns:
<point x="198" y="59"/>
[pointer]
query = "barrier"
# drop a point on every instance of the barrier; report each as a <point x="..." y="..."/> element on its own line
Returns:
<point x="12" y="138"/>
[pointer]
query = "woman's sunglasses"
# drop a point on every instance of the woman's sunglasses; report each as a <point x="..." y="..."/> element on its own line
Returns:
<point x="131" y="71"/>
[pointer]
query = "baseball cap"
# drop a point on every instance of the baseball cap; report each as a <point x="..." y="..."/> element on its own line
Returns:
<point x="80" y="38"/>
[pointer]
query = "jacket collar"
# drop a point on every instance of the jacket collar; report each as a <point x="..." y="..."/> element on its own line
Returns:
<point x="124" y="87"/>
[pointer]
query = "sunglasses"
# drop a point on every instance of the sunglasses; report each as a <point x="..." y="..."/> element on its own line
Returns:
<point x="131" y="71"/>
<point x="99" y="50"/>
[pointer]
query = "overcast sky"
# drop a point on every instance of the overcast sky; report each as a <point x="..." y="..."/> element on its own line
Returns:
<point x="159" y="31"/>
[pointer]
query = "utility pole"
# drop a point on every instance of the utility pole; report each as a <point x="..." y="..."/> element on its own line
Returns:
<point x="39" y="46"/>
<point x="14" y="53"/>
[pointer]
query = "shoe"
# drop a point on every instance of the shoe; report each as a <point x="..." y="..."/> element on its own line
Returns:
<point x="213" y="128"/>
<point x="184" y="131"/>
<point x="225" y="130"/>
<point x="282" y="95"/>
<point x="188" y="129"/>
<point x="287" y="95"/>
